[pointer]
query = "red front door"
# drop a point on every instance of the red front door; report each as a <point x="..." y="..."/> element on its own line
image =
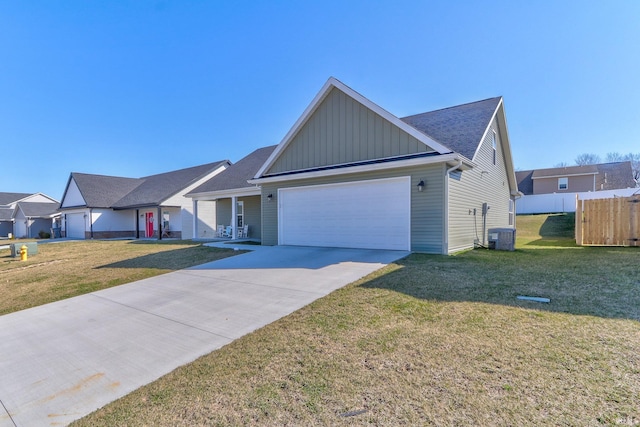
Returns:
<point x="149" y="224"/>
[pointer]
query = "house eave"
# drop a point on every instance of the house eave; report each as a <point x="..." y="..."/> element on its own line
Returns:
<point x="450" y="159"/>
<point x="225" y="194"/>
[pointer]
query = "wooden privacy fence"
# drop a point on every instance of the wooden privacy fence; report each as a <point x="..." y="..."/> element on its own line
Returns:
<point x="608" y="222"/>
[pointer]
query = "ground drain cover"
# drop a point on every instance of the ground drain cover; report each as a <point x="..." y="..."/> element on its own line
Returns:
<point x="536" y="299"/>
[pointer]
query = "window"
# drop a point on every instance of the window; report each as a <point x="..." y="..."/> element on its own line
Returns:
<point x="494" y="145"/>
<point x="240" y="214"/>
<point x="563" y="183"/>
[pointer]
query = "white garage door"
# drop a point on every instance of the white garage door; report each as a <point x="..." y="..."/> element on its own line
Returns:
<point x="75" y="226"/>
<point x="373" y="214"/>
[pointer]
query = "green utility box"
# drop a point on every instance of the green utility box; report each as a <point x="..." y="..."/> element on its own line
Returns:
<point x="32" y="248"/>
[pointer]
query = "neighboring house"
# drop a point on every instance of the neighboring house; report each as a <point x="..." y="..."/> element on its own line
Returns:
<point x="34" y="218"/>
<point x="27" y="214"/>
<point x="350" y="174"/>
<point x="576" y="179"/>
<point x="98" y="206"/>
<point x="554" y="190"/>
<point x="234" y="197"/>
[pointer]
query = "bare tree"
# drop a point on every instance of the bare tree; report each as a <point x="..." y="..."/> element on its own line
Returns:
<point x="614" y="157"/>
<point x="635" y="166"/>
<point x="561" y="165"/>
<point x="587" y="159"/>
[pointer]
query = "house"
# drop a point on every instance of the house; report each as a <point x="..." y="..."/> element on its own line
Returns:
<point x="99" y="206"/>
<point x="554" y="190"/>
<point x="25" y="215"/>
<point x="236" y="202"/>
<point x="576" y="179"/>
<point x="350" y="174"/>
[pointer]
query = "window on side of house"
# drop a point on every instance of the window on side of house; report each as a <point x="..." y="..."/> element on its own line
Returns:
<point x="563" y="183"/>
<point x="494" y="145"/>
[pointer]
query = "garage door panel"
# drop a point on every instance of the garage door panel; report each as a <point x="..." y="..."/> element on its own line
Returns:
<point x="75" y="226"/>
<point x="365" y="214"/>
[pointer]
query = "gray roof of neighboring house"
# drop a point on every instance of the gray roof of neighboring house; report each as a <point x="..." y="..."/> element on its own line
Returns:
<point x="6" y="214"/>
<point x="565" y="171"/>
<point x="102" y="191"/>
<point x="39" y="209"/>
<point x="609" y="176"/>
<point x="9" y="198"/>
<point x="237" y="175"/>
<point x="156" y="188"/>
<point x="612" y="176"/>
<point x="525" y="183"/>
<point x="459" y="128"/>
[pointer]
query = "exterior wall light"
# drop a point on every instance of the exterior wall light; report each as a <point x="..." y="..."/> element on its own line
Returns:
<point x="269" y="197"/>
<point x="421" y="185"/>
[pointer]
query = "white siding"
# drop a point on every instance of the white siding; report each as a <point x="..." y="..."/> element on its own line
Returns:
<point x="73" y="196"/>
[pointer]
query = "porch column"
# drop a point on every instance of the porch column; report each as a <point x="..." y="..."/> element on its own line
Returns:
<point x="234" y="219"/>
<point x="195" y="219"/>
<point x="159" y="221"/>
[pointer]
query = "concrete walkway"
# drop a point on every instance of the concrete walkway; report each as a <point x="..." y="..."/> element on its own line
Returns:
<point x="61" y="361"/>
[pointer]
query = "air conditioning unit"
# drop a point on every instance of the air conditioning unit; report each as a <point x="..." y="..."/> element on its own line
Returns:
<point x="502" y="239"/>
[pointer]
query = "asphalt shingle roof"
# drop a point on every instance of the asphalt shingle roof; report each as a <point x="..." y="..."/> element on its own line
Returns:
<point x="236" y="175"/>
<point x="102" y="191"/>
<point x="6" y="214"/>
<point x="9" y="198"/>
<point x="609" y="176"/>
<point x="156" y="188"/>
<point x="38" y="209"/>
<point x="459" y="128"/>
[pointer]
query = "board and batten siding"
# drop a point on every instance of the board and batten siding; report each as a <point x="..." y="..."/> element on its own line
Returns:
<point x="342" y="131"/>
<point x="468" y="190"/>
<point x="427" y="209"/>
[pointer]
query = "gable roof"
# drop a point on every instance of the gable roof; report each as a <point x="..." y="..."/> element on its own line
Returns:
<point x="334" y="83"/>
<point x="525" y="183"/>
<point x="565" y="171"/>
<point x="459" y="128"/>
<point x="608" y="176"/>
<point x="156" y="188"/>
<point x="38" y="209"/>
<point x="236" y="175"/>
<point x="10" y="198"/>
<point x="102" y="191"/>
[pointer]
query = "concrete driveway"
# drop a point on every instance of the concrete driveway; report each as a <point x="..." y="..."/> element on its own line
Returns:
<point x="61" y="361"/>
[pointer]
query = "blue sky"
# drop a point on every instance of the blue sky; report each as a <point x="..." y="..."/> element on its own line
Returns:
<point x="134" y="88"/>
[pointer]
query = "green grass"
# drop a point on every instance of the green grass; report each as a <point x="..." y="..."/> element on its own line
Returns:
<point x="67" y="269"/>
<point x="431" y="340"/>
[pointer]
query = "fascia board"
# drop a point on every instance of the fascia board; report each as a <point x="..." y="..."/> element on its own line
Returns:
<point x="445" y="158"/>
<point x="315" y="103"/>
<point x="225" y="194"/>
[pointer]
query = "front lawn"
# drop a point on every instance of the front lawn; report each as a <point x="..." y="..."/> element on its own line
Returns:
<point x="66" y="269"/>
<point x="431" y="340"/>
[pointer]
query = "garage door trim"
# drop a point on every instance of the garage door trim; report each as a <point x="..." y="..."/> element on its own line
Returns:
<point x="372" y="193"/>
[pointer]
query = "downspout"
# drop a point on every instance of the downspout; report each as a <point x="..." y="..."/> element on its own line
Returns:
<point x="91" y="221"/>
<point x="446" y="206"/>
